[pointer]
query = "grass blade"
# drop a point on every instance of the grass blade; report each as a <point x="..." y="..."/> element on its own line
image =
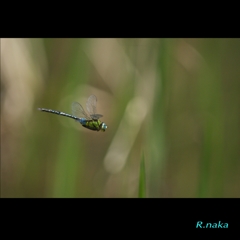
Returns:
<point x="142" y="181"/>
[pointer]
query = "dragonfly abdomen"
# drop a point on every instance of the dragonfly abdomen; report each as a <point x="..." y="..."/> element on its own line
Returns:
<point x="58" y="113"/>
<point x="83" y="121"/>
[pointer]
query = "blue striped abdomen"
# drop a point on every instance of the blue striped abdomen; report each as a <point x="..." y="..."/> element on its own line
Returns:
<point x="83" y="121"/>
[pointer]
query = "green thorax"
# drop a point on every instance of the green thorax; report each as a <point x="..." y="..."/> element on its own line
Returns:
<point x="94" y="125"/>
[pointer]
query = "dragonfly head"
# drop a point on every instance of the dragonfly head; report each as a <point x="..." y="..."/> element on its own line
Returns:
<point x="103" y="127"/>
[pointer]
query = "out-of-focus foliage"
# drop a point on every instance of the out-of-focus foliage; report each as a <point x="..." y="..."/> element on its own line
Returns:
<point x="176" y="100"/>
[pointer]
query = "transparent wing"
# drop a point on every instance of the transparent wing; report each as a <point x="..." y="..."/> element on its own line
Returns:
<point x="92" y="104"/>
<point x="96" y="116"/>
<point x="92" y="107"/>
<point x="78" y="111"/>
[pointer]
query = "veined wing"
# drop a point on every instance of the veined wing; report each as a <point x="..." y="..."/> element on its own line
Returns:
<point x="92" y="107"/>
<point x="96" y="116"/>
<point x="78" y="111"/>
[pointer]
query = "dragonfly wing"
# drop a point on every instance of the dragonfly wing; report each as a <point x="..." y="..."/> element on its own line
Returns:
<point x="78" y="111"/>
<point x="96" y="116"/>
<point x="92" y="105"/>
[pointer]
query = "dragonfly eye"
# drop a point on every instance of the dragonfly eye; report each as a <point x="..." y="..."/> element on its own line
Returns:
<point x="103" y="127"/>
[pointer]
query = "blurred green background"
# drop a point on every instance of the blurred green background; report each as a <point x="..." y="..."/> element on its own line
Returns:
<point x="174" y="100"/>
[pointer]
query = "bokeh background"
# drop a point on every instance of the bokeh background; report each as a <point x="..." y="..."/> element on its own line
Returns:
<point x="176" y="101"/>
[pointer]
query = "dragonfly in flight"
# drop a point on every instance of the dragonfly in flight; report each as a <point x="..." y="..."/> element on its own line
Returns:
<point x="90" y="121"/>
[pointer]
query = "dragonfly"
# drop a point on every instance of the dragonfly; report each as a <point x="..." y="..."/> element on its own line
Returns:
<point x="90" y="121"/>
